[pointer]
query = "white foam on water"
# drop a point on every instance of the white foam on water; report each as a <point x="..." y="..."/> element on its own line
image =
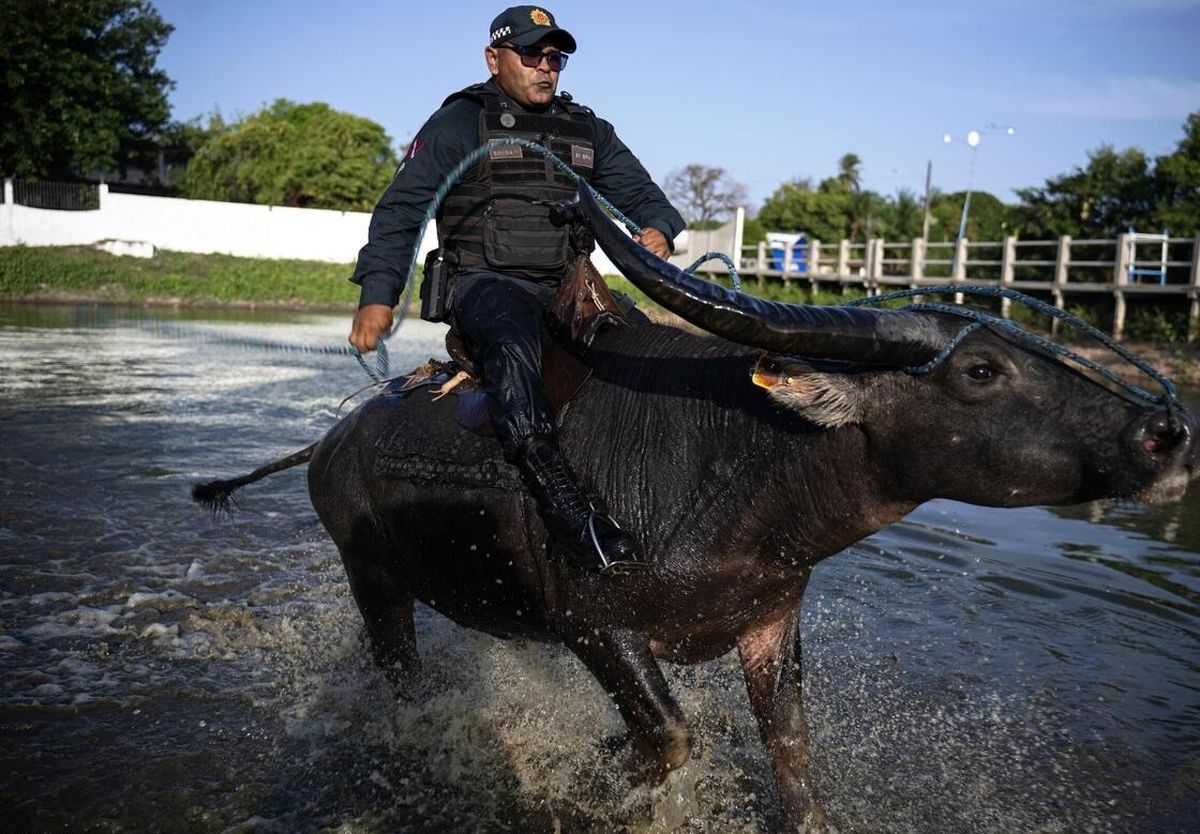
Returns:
<point x="76" y="622"/>
<point x="161" y="601"/>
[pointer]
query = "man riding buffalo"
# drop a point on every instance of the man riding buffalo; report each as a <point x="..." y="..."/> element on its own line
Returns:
<point x="504" y="254"/>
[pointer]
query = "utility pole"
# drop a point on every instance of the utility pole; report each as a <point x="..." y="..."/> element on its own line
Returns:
<point x="928" y="182"/>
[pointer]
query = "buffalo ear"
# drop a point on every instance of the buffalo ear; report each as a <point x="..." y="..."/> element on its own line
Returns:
<point x="829" y="400"/>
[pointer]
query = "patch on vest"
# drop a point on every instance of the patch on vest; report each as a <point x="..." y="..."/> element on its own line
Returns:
<point x="507" y="152"/>
<point x="582" y="157"/>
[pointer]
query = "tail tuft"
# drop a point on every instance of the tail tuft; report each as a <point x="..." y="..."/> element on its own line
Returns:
<point x="216" y="496"/>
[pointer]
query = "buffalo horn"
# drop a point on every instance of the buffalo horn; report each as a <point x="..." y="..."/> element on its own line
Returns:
<point x="855" y="334"/>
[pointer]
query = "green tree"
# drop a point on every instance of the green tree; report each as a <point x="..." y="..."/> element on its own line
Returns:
<point x="1114" y="191"/>
<point x="904" y="216"/>
<point x="796" y="207"/>
<point x="753" y="232"/>
<point x="840" y="208"/>
<point x="180" y="141"/>
<point x="988" y="219"/>
<point x="80" y="91"/>
<point x="290" y="154"/>
<point x="1177" y="184"/>
<point x="850" y="171"/>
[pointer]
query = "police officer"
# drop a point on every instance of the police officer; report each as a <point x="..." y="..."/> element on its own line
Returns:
<point x="494" y="226"/>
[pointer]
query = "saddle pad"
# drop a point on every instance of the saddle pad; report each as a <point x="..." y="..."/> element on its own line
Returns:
<point x="427" y="444"/>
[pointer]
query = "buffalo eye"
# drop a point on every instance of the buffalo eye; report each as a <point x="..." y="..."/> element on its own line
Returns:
<point x="981" y="372"/>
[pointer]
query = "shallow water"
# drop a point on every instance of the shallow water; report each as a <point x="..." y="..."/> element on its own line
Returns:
<point x="966" y="669"/>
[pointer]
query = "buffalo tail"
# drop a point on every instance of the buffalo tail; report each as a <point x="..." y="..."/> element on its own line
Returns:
<point x="218" y="495"/>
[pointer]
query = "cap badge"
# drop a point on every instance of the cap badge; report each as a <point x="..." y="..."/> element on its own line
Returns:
<point x="539" y="17"/>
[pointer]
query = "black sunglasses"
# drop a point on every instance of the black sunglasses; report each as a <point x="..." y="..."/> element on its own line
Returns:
<point x="532" y="56"/>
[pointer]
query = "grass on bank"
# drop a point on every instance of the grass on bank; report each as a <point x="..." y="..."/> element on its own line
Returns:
<point x="59" y="272"/>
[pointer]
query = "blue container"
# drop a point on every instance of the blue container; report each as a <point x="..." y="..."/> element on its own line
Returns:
<point x="799" y="256"/>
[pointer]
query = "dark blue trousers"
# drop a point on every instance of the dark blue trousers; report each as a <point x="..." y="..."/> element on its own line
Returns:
<point x="501" y="320"/>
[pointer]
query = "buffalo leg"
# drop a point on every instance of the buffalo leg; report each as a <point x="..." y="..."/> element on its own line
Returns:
<point x="770" y="655"/>
<point x="387" y="612"/>
<point x="623" y="664"/>
<point x="383" y="598"/>
<point x="336" y="478"/>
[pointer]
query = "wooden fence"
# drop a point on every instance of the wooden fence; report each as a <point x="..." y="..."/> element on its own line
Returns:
<point x="1153" y="266"/>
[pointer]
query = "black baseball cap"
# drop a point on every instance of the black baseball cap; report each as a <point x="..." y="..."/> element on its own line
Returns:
<point x="526" y="25"/>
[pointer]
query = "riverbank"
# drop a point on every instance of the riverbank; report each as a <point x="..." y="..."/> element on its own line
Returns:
<point x="83" y="273"/>
<point x="75" y="274"/>
<point x="1180" y="364"/>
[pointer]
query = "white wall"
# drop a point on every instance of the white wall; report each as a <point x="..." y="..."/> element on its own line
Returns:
<point x="206" y="226"/>
<point x="195" y="226"/>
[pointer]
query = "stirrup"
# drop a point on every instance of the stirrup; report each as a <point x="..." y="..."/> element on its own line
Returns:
<point x="609" y="567"/>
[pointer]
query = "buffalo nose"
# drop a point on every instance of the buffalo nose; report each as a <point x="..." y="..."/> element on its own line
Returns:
<point x="1164" y="433"/>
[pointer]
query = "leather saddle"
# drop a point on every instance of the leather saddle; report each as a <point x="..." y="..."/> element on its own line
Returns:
<point x="582" y="306"/>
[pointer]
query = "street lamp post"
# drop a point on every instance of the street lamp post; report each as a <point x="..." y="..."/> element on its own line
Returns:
<point x="972" y="140"/>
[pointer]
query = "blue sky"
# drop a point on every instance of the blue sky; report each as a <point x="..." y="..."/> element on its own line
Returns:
<point x="766" y="89"/>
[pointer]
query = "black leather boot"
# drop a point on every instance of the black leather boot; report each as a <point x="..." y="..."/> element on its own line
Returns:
<point x="580" y="531"/>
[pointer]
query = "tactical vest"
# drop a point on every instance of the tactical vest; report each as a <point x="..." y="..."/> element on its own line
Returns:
<point x="501" y="221"/>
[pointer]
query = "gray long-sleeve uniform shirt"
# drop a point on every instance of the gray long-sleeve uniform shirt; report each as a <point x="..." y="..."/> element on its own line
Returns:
<point x="450" y="134"/>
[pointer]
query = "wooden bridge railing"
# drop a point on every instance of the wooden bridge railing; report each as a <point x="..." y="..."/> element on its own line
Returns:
<point x="1055" y="268"/>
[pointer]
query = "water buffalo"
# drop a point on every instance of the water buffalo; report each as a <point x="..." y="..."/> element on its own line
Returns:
<point x="741" y="459"/>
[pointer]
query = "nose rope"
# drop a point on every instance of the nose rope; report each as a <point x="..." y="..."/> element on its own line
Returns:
<point x="980" y="318"/>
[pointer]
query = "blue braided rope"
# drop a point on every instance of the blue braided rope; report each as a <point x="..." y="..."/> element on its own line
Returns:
<point x="718" y="256"/>
<point x="983" y="318"/>
<point x="459" y="171"/>
<point x="378" y="373"/>
<point x="944" y="353"/>
<point x="979" y="318"/>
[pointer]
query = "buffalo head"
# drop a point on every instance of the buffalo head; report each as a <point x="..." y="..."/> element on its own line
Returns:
<point x="993" y="421"/>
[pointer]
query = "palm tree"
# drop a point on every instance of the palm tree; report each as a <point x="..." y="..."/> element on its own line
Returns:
<point x="848" y="171"/>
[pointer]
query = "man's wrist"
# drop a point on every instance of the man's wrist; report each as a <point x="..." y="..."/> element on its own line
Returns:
<point x="377" y="291"/>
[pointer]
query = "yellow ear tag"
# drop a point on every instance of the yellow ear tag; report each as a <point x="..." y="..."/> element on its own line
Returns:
<point x="768" y="373"/>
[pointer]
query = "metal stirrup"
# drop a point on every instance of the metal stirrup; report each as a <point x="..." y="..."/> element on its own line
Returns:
<point x="607" y="566"/>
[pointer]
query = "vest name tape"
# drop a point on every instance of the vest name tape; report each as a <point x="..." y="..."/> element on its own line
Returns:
<point x="507" y="152"/>
<point x="582" y="157"/>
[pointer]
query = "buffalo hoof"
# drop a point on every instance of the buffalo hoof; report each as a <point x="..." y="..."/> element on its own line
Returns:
<point x="402" y="670"/>
<point x="654" y="757"/>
